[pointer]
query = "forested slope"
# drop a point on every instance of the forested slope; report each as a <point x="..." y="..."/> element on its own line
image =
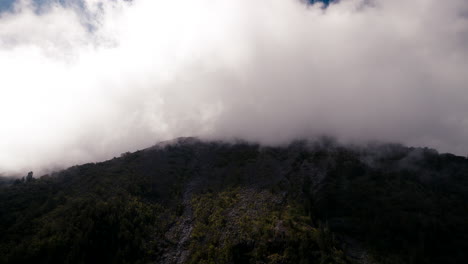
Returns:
<point x="212" y="202"/>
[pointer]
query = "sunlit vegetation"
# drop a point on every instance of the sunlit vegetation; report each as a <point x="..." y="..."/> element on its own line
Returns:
<point x="257" y="227"/>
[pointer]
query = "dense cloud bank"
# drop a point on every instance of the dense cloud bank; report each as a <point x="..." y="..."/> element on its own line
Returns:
<point x="86" y="82"/>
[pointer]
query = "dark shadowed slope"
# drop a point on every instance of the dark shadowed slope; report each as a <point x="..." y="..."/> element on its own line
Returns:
<point x="189" y="201"/>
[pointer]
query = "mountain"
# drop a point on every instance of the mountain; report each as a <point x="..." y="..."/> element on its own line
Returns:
<point x="190" y="201"/>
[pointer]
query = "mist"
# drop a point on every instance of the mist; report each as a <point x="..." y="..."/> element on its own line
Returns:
<point x="85" y="81"/>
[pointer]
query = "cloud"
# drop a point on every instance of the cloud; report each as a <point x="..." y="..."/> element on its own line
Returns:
<point x="86" y="82"/>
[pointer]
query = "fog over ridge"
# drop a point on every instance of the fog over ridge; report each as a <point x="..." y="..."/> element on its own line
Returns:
<point x="87" y="83"/>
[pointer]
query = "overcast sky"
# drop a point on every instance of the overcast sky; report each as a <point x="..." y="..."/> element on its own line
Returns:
<point x="86" y="82"/>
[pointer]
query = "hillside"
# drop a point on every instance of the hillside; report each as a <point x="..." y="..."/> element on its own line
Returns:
<point x="190" y="201"/>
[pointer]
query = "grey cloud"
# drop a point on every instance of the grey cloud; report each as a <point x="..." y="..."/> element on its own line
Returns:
<point x="267" y="71"/>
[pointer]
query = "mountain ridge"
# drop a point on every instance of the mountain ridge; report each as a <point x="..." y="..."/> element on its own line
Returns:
<point x="192" y="201"/>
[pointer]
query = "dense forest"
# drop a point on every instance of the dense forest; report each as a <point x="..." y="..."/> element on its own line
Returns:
<point x="190" y="201"/>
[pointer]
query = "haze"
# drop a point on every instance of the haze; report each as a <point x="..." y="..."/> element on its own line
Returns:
<point x="85" y="81"/>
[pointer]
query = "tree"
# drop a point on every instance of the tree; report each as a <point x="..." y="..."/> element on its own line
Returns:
<point x="29" y="177"/>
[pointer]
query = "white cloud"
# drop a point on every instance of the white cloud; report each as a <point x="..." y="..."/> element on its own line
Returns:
<point x="81" y="86"/>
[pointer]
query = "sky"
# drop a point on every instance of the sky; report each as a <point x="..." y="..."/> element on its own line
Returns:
<point x="85" y="82"/>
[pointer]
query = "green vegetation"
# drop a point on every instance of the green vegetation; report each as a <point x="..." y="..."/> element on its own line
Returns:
<point x="197" y="202"/>
<point x="88" y="228"/>
<point x="255" y="227"/>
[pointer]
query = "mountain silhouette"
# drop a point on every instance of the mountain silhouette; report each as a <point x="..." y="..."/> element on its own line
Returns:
<point x="193" y="201"/>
